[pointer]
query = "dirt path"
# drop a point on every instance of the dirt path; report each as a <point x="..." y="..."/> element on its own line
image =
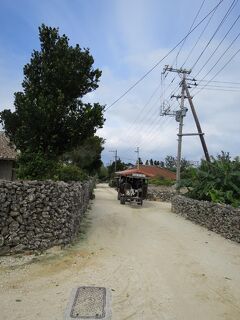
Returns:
<point x="158" y="265"/>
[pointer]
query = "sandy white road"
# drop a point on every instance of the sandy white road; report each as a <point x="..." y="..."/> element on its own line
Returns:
<point x="158" y="265"/>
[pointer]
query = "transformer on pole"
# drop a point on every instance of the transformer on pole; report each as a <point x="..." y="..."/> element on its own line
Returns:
<point x="179" y="116"/>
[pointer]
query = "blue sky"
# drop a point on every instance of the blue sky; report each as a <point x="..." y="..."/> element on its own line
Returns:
<point x="126" y="38"/>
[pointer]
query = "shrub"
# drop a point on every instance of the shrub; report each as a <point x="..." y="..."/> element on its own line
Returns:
<point x="216" y="181"/>
<point x="70" y="172"/>
<point x="160" y="181"/>
<point x="35" y="166"/>
<point x="113" y="183"/>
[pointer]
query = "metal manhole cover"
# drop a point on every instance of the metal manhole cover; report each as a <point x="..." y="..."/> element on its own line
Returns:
<point x="89" y="303"/>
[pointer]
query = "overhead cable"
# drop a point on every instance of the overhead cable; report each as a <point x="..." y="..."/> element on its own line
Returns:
<point x="224" y="66"/>
<point x="157" y="64"/>
<point x="199" y="37"/>
<point x="194" y="20"/>
<point x="215" y="32"/>
<point x="218" y="45"/>
<point x="218" y="81"/>
<point x="222" y="55"/>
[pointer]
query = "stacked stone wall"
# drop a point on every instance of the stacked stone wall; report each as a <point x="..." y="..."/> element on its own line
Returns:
<point x="35" y="215"/>
<point x="222" y="219"/>
<point x="160" y="193"/>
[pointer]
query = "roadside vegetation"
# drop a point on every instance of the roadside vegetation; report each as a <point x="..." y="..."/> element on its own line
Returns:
<point x="52" y="127"/>
<point x="160" y="181"/>
<point x="217" y="181"/>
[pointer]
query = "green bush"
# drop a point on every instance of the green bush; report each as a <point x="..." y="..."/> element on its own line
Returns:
<point x="160" y="181"/>
<point x="70" y="172"/>
<point x="35" y="166"/>
<point x="113" y="183"/>
<point x="216" y="181"/>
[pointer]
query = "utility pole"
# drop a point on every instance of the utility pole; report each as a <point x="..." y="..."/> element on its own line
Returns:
<point x="137" y="151"/>
<point x="200" y="133"/>
<point x="180" y="131"/>
<point x="115" y="158"/>
<point x="180" y="114"/>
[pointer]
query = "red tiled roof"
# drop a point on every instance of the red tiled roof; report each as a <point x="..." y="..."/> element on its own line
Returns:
<point x="150" y="171"/>
<point x="7" y="152"/>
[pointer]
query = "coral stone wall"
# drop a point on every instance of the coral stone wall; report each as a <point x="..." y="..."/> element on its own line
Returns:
<point x="222" y="219"/>
<point x="36" y="215"/>
<point x="160" y="193"/>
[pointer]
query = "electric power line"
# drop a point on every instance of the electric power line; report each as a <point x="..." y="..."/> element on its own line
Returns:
<point x="217" y="89"/>
<point x="199" y="37"/>
<point x="217" y="81"/>
<point x="218" y="45"/>
<point x="150" y="115"/>
<point x="216" y="74"/>
<point x="157" y="64"/>
<point x="215" y="32"/>
<point x="216" y="86"/>
<point x="225" y="51"/>
<point x="194" y="20"/>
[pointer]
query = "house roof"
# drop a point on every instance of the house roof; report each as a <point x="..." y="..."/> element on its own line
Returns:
<point x="150" y="171"/>
<point x="7" y="151"/>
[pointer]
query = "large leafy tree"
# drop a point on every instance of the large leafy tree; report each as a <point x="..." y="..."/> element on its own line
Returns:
<point x="50" y="117"/>
<point x="171" y="163"/>
<point x="87" y="156"/>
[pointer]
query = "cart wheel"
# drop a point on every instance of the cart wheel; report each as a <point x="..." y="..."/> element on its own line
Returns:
<point x="122" y="200"/>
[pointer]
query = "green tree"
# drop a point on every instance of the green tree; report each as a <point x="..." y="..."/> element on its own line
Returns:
<point x="50" y="117"/>
<point x="87" y="156"/>
<point x="120" y="167"/>
<point x="151" y="162"/>
<point x="103" y="173"/>
<point x="185" y="164"/>
<point x="170" y="163"/>
<point x="162" y="164"/>
<point x="146" y="163"/>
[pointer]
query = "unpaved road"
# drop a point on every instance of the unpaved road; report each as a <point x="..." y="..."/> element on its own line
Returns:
<point x="158" y="265"/>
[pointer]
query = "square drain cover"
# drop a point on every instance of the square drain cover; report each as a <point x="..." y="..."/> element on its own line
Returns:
<point x="89" y="303"/>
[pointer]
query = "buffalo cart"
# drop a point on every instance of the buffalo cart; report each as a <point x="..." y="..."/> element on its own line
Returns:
<point x="132" y="188"/>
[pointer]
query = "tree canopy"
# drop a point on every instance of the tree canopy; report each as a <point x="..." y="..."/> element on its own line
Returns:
<point x="49" y="114"/>
<point x="50" y="117"/>
<point x="87" y="156"/>
<point x="120" y="166"/>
